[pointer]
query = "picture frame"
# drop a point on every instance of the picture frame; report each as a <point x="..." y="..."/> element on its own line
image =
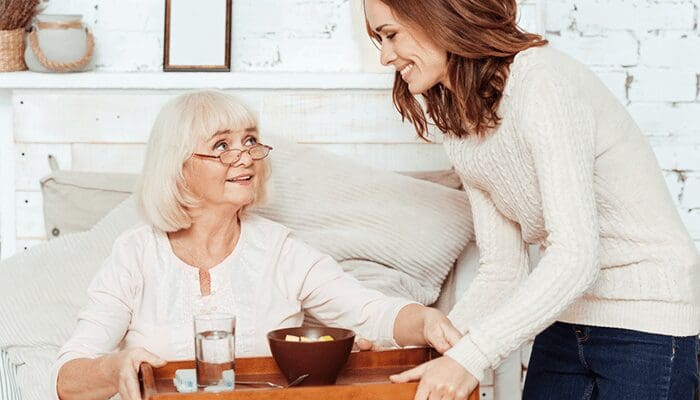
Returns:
<point x="197" y="36"/>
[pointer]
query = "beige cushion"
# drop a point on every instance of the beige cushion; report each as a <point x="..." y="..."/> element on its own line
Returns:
<point x="75" y="201"/>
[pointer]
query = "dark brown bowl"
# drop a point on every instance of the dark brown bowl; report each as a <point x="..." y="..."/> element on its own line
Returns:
<point x="321" y="360"/>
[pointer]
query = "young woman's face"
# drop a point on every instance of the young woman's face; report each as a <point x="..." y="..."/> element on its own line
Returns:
<point x="216" y="183"/>
<point x="421" y="63"/>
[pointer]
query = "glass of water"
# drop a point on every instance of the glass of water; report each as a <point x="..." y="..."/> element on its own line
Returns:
<point x="215" y="344"/>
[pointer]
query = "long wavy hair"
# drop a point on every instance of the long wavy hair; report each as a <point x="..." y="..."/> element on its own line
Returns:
<point x="481" y="38"/>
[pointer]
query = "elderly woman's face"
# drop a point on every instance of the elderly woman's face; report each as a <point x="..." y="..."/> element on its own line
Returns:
<point x="216" y="183"/>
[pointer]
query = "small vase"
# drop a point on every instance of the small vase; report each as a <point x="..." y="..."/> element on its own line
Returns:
<point x="59" y="43"/>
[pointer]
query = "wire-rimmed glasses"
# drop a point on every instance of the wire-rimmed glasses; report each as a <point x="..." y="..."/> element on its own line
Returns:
<point x="256" y="152"/>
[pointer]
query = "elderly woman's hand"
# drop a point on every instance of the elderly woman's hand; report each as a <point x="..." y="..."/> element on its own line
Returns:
<point x="124" y="366"/>
<point x="367" y="345"/>
<point x="441" y="378"/>
<point x="438" y="331"/>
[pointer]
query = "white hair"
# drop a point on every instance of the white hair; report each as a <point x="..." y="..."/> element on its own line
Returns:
<point x="162" y="193"/>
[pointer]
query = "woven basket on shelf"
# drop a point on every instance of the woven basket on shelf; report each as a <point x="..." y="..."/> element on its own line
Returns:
<point x="12" y="50"/>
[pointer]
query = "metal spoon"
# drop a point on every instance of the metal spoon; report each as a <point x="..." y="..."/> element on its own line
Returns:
<point x="298" y="380"/>
<point x="274" y="385"/>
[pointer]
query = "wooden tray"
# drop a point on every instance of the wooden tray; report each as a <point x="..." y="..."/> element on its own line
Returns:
<point x="365" y="376"/>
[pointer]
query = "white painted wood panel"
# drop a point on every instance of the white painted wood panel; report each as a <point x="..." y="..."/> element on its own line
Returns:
<point x="127" y="117"/>
<point x="7" y="177"/>
<point x="26" y="244"/>
<point x="196" y="80"/>
<point x="95" y="117"/>
<point x="508" y="377"/>
<point x="488" y="377"/>
<point x="347" y="117"/>
<point x="32" y="163"/>
<point x="526" y="352"/>
<point x="30" y="215"/>
<point x="394" y="157"/>
<point x="125" y="158"/>
<point x="66" y="117"/>
<point x="487" y="393"/>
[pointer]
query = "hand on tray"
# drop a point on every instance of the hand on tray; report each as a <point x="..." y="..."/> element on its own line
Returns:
<point x="439" y="332"/>
<point x="124" y="368"/>
<point x="368" y="345"/>
<point x="441" y="378"/>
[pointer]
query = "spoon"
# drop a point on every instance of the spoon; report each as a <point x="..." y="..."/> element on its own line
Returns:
<point x="274" y="385"/>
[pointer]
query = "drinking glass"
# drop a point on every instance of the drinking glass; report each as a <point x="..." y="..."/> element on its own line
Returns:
<point x="215" y="344"/>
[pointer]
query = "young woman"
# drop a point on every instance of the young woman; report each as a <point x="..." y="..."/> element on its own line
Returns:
<point x="202" y="252"/>
<point x="549" y="157"/>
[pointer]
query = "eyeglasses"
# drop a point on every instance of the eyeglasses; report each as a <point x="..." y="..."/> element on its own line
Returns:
<point x="256" y="152"/>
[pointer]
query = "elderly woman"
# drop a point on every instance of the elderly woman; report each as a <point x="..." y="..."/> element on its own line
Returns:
<point x="202" y="252"/>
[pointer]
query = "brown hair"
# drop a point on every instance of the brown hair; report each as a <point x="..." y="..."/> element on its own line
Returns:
<point x="481" y="38"/>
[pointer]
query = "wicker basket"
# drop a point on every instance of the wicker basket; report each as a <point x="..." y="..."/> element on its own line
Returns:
<point x="12" y="50"/>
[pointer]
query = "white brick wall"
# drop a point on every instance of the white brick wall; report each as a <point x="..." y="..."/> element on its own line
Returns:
<point x="603" y="16"/>
<point x="671" y="49"/>
<point x="270" y="35"/>
<point x="662" y="85"/>
<point x="614" y="49"/>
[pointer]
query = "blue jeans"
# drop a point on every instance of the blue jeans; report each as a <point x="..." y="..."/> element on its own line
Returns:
<point x="578" y="362"/>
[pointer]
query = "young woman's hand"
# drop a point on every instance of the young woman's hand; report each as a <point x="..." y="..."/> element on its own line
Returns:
<point x="441" y="378"/>
<point x="438" y="331"/>
<point x="123" y="368"/>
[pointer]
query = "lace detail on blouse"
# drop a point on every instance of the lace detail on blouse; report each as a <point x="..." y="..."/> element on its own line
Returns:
<point x="231" y="293"/>
<point x="242" y="285"/>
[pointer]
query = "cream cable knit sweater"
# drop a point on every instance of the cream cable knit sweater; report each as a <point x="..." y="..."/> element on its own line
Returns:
<point x="569" y="170"/>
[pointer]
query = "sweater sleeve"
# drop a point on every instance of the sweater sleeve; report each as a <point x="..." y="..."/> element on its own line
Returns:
<point x="559" y="131"/>
<point x="503" y="261"/>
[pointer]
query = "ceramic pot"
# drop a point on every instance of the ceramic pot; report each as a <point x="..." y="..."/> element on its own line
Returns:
<point x="59" y="43"/>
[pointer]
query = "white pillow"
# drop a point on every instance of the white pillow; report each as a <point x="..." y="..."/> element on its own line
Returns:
<point x="359" y="214"/>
